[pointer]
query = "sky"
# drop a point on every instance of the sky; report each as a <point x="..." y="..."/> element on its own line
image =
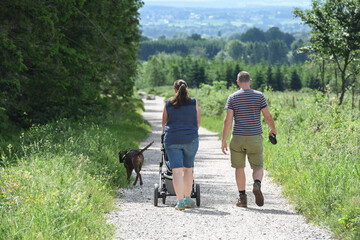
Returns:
<point x="227" y="3"/>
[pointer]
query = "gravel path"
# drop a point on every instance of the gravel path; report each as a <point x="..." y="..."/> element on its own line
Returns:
<point x="217" y="217"/>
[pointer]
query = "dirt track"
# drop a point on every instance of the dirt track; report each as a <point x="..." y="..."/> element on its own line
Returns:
<point x="217" y="217"/>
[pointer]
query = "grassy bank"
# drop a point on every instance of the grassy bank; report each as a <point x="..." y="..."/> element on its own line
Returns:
<point x="58" y="180"/>
<point x="317" y="157"/>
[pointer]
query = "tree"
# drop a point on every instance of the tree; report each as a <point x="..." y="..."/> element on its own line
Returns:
<point x="57" y="58"/>
<point x="253" y="35"/>
<point x="295" y="81"/>
<point x="154" y="74"/>
<point x="269" y="76"/>
<point x="335" y="35"/>
<point x="274" y="33"/>
<point x="278" y="81"/>
<point x="235" y="49"/>
<point x="195" y="36"/>
<point x="196" y="75"/>
<point x="229" y="77"/>
<point x="277" y="51"/>
<point x="258" y="51"/>
<point x="298" y="55"/>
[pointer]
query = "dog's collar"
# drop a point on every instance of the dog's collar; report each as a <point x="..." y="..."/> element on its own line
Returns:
<point x="125" y="155"/>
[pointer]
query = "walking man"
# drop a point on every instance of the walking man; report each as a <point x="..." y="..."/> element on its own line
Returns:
<point x="244" y="107"/>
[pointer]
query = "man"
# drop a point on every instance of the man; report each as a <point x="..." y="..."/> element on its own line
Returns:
<point x="244" y="107"/>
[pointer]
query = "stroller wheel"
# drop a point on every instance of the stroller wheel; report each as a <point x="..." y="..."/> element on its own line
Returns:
<point x="164" y="199"/>
<point x="198" y="195"/>
<point x="156" y="194"/>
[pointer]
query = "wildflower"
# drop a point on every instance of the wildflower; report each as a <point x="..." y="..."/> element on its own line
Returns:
<point x="84" y="227"/>
<point x="20" y="165"/>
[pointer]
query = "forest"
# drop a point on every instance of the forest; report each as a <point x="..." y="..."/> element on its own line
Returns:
<point x="60" y="58"/>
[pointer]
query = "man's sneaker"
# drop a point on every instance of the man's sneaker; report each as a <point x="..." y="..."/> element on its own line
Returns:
<point x="189" y="202"/>
<point x="242" y="201"/>
<point x="259" y="198"/>
<point x="180" y="205"/>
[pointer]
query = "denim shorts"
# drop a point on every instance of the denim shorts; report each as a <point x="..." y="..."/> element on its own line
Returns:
<point x="182" y="155"/>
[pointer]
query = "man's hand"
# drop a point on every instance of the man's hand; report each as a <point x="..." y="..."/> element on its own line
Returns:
<point x="272" y="132"/>
<point x="224" y="147"/>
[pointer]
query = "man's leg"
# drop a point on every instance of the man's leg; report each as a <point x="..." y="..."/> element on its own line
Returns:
<point x="240" y="178"/>
<point x="255" y="156"/>
<point x="258" y="174"/>
<point x="241" y="184"/>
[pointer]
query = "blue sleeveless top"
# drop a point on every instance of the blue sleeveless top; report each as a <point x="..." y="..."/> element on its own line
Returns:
<point x="181" y="126"/>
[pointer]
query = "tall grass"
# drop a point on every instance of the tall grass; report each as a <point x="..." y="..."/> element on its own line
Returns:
<point x="58" y="180"/>
<point x="317" y="156"/>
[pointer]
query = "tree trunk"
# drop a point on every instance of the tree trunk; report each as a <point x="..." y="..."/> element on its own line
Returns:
<point x="353" y="92"/>
<point x="353" y="98"/>
<point x="323" y="75"/>
<point x="343" y="81"/>
<point x="336" y="83"/>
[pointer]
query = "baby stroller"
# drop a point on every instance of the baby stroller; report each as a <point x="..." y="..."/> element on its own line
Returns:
<point x="165" y="187"/>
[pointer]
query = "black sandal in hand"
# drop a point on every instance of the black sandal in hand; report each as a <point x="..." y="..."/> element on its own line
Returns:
<point x="273" y="139"/>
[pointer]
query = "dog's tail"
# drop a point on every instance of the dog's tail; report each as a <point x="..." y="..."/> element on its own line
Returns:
<point x="142" y="150"/>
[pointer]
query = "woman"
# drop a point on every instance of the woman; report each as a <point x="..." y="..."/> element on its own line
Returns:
<point x="181" y="120"/>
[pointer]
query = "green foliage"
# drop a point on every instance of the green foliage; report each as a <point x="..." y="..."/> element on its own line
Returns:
<point x="317" y="156"/>
<point x="335" y="34"/>
<point x="254" y="46"/>
<point x="164" y="69"/>
<point x="58" y="58"/>
<point x="59" y="179"/>
<point x="295" y="82"/>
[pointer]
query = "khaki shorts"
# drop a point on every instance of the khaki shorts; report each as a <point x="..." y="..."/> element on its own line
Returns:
<point x="252" y="146"/>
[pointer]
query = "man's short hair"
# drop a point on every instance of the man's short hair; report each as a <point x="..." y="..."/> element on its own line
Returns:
<point x="243" y="77"/>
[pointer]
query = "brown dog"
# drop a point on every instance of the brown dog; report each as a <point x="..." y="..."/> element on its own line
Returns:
<point x="133" y="159"/>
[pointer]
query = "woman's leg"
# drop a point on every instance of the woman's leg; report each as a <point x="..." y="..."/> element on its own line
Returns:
<point x="178" y="182"/>
<point x="189" y="157"/>
<point x="188" y="181"/>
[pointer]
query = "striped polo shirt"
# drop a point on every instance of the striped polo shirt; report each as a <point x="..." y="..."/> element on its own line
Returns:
<point x="246" y="105"/>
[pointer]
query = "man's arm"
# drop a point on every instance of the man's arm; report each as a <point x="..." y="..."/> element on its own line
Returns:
<point x="269" y="120"/>
<point x="198" y="114"/>
<point x="226" y="129"/>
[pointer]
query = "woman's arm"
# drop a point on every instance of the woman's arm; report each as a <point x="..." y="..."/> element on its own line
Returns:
<point x="198" y="114"/>
<point x="164" y="118"/>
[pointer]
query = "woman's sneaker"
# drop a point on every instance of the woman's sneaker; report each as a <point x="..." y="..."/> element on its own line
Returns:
<point x="180" y="205"/>
<point x="189" y="202"/>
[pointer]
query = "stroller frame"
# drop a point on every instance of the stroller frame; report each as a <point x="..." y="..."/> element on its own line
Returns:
<point x="165" y="186"/>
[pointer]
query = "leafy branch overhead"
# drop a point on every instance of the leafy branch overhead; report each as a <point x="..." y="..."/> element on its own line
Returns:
<point x="335" y="29"/>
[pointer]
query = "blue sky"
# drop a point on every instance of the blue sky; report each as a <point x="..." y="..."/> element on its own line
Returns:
<point x="227" y="3"/>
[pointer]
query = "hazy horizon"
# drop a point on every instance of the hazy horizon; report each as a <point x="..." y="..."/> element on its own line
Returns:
<point x="227" y="3"/>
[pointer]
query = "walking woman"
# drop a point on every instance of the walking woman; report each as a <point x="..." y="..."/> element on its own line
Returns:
<point x="181" y="120"/>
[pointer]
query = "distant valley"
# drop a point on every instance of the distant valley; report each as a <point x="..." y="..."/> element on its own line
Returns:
<point x="181" y="22"/>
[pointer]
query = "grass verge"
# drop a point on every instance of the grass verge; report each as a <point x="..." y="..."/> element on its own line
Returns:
<point x="58" y="180"/>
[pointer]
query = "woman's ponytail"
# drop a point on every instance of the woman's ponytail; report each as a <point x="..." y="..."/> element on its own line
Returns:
<point x="181" y="97"/>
